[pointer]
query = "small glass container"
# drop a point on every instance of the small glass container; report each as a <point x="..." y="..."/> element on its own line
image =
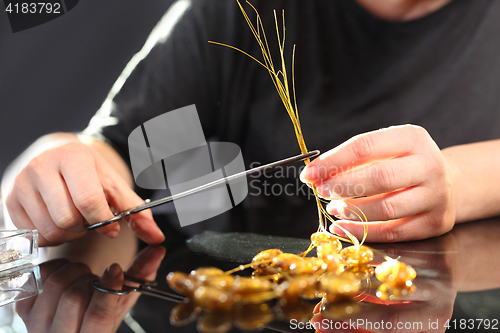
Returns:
<point x="17" y="248"/>
<point x="19" y="279"/>
<point x="19" y="283"/>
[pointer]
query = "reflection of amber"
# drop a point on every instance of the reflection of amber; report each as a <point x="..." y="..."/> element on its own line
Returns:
<point x="295" y="281"/>
<point x="387" y="292"/>
<point x="395" y="273"/>
<point x="339" y="310"/>
<point x="253" y="316"/>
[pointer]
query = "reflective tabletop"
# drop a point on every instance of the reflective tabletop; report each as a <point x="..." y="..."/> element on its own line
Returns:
<point x="458" y="281"/>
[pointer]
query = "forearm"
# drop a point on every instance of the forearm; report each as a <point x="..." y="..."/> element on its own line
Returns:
<point x="476" y="176"/>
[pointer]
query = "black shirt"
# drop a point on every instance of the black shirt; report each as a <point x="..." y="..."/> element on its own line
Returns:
<point x="354" y="73"/>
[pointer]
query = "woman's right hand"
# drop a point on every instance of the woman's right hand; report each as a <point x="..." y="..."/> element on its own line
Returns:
<point x="71" y="185"/>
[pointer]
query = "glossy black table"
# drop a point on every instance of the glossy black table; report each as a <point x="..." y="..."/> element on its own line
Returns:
<point x="458" y="277"/>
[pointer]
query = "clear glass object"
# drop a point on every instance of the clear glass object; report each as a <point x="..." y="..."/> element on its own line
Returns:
<point x="19" y="279"/>
<point x="17" y="248"/>
<point x="19" y="283"/>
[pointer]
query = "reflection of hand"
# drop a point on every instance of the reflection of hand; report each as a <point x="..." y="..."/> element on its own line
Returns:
<point x="65" y="187"/>
<point x="435" y="261"/>
<point x="404" y="176"/>
<point x="69" y="304"/>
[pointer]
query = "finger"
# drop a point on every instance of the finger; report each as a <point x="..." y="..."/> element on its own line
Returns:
<point x="57" y="198"/>
<point x="405" y="229"/>
<point x="376" y="178"/>
<point x="147" y="262"/>
<point x="144" y="267"/>
<point x="121" y="197"/>
<point x="87" y="191"/>
<point x="101" y="312"/>
<point x="23" y="308"/>
<point x="387" y="206"/>
<point x="54" y="286"/>
<point x="22" y="221"/>
<point x="72" y="305"/>
<point x="37" y="212"/>
<point x="364" y="148"/>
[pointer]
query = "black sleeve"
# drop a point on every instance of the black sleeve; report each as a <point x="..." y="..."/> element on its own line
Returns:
<point x="172" y="70"/>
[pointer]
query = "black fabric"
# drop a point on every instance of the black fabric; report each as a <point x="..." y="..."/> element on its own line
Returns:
<point x="242" y="247"/>
<point x="354" y="73"/>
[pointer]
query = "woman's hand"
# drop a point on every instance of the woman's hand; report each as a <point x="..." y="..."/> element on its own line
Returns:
<point x="397" y="176"/>
<point x="74" y="183"/>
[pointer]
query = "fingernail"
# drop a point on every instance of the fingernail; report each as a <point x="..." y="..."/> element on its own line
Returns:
<point x="332" y="209"/>
<point x="336" y="230"/>
<point x="162" y="236"/>
<point x="327" y="191"/>
<point x="111" y="234"/>
<point x="346" y="214"/>
<point x="323" y="190"/>
<point x="114" y="270"/>
<point x="309" y="174"/>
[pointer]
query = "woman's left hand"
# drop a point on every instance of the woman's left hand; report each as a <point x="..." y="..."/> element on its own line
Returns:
<point x="397" y="176"/>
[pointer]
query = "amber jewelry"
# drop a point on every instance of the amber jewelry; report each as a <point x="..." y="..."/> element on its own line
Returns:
<point x="337" y="276"/>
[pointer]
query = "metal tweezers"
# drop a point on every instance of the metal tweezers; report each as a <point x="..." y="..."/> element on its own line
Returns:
<point x="145" y="287"/>
<point x="150" y="204"/>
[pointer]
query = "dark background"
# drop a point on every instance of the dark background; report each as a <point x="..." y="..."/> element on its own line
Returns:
<point x="55" y="76"/>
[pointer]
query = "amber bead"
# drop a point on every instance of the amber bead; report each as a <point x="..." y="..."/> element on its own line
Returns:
<point x="339" y="310"/>
<point x="181" y="283"/>
<point x="245" y="285"/>
<point x="253" y="316"/>
<point x="215" y="321"/>
<point x="362" y="271"/>
<point x="266" y="255"/>
<point x="388" y="292"/>
<point x="327" y="253"/>
<point x="202" y="273"/>
<point x="308" y="266"/>
<point x="184" y="313"/>
<point x="302" y="311"/>
<point x="302" y="286"/>
<point x="212" y="298"/>
<point x="396" y="273"/>
<point x="353" y="255"/>
<point x="319" y="238"/>
<point x="341" y="286"/>
<point x="223" y="282"/>
<point x="285" y="260"/>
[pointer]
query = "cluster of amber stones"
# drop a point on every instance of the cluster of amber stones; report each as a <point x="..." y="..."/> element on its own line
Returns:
<point x="245" y="316"/>
<point x="336" y="275"/>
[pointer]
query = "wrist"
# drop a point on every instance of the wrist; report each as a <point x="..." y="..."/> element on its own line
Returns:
<point x="455" y="178"/>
